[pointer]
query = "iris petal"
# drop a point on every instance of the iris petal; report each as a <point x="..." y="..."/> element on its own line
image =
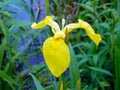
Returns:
<point x="41" y="24"/>
<point x="47" y="21"/>
<point x="82" y="24"/>
<point x="56" y="54"/>
<point x="95" y="37"/>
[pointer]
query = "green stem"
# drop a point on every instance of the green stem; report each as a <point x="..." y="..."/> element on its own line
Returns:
<point x="63" y="82"/>
<point x="117" y="51"/>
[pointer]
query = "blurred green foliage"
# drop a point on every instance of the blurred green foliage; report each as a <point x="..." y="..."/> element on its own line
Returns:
<point x="91" y="68"/>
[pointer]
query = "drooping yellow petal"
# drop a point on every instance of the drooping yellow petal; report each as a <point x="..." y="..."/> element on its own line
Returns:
<point x="95" y="37"/>
<point x="47" y="21"/>
<point x="82" y="24"/>
<point x="56" y="54"/>
<point x="39" y="25"/>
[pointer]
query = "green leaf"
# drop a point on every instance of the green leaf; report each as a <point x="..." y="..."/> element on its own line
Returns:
<point x="37" y="83"/>
<point x="105" y="83"/>
<point x="17" y="55"/>
<point x="6" y="3"/>
<point x="74" y="70"/>
<point x="5" y="13"/>
<point x="38" y="68"/>
<point x="18" y="24"/>
<point x="86" y="7"/>
<point x="6" y="36"/>
<point x="2" y="51"/>
<point x="100" y="70"/>
<point x="8" y="79"/>
<point x="105" y="25"/>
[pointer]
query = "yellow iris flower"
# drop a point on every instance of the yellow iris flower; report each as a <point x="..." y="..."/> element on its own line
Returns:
<point x="55" y="50"/>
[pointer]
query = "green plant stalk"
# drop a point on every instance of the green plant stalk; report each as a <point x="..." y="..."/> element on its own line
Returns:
<point x="47" y="4"/>
<point x="63" y="81"/>
<point x="117" y="61"/>
<point x="117" y="68"/>
<point x="117" y="51"/>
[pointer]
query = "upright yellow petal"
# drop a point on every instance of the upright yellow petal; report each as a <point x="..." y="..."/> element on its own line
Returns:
<point x="47" y="21"/>
<point x="56" y="54"/>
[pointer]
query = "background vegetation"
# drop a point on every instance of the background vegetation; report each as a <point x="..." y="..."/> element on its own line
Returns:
<point x="91" y="68"/>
